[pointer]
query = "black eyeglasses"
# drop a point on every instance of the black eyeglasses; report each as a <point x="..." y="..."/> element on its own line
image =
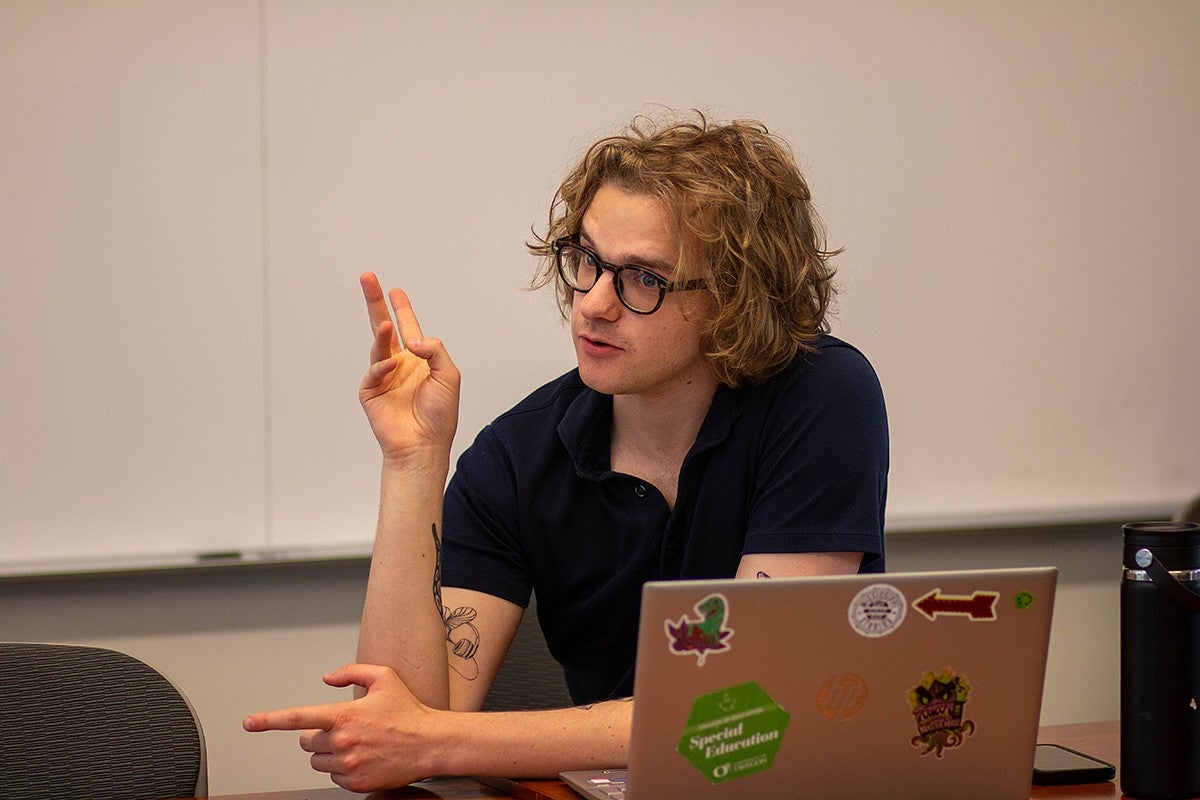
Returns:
<point x="638" y="289"/>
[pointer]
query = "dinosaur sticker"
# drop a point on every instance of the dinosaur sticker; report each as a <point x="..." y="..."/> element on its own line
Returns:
<point x="704" y="634"/>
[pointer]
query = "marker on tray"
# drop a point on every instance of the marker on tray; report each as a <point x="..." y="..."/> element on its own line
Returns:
<point x="220" y="555"/>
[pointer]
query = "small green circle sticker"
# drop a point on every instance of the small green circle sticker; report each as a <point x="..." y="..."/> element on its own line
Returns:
<point x="1023" y="600"/>
<point x="733" y="733"/>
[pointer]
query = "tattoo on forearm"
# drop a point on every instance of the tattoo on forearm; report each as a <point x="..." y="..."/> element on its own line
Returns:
<point x="461" y="633"/>
<point x="437" y="572"/>
<point x="463" y="637"/>
<point x="590" y="706"/>
<point x="762" y="574"/>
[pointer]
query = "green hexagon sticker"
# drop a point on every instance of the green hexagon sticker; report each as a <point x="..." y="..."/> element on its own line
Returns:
<point x="733" y="733"/>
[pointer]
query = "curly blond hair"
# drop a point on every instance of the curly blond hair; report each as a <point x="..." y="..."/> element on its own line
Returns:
<point x="746" y="227"/>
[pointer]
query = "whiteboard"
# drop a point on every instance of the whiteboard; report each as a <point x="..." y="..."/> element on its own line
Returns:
<point x="191" y="190"/>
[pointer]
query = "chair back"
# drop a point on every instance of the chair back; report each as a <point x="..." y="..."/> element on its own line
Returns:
<point x="81" y="722"/>
<point x="529" y="677"/>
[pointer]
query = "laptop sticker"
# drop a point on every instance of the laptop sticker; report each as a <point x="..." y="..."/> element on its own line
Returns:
<point x="733" y="732"/>
<point x="978" y="607"/>
<point x="938" y="703"/>
<point x="1023" y="600"/>
<point x="842" y="696"/>
<point x="703" y="634"/>
<point x="877" y="610"/>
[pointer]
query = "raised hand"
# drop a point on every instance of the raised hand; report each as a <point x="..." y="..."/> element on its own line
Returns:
<point x="410" y="393"/>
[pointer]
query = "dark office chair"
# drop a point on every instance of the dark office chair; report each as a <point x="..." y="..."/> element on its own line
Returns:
<point x="529" y="678"/>
<point x="81" y="722"/>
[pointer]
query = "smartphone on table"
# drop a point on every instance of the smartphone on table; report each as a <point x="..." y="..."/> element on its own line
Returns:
<point x="1055" y="765"/>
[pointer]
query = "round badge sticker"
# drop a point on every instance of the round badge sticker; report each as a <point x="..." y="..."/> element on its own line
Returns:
<point x="877" y="610"/>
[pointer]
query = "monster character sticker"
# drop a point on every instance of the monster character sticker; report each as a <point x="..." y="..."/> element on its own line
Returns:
<point x="877" y="610"/>
<point x="937" y="707"/>
<point x="704" y="634"/>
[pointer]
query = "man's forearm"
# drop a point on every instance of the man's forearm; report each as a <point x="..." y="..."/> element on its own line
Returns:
<point x="402" y="623"/>
<point x="534" y="744"/>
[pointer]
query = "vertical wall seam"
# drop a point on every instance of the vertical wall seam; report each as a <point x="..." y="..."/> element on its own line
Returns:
<point x="265" y="224"/>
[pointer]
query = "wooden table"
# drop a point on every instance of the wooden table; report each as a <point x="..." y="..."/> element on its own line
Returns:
<point x="1101" y="739"/>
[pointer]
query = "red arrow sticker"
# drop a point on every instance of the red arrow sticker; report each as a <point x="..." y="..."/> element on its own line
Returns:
<point x="979" y="606"/>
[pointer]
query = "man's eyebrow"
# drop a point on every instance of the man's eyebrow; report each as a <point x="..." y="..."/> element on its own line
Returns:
<point x="663" y="268"/>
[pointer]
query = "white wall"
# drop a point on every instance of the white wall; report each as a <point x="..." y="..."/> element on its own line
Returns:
<point x="189" y="191"/>
<point x="254" y="638"/>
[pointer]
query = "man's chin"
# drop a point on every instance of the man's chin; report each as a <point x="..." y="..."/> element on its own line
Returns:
<point x="601" y="381"/>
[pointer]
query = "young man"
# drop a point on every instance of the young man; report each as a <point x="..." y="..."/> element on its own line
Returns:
<point x="713" y="428"/>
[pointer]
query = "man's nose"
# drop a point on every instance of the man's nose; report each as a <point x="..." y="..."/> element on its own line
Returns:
<point x="601" y="300"/>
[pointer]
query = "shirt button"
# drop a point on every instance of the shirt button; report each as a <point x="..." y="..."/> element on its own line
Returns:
<point x="639" y="490"/>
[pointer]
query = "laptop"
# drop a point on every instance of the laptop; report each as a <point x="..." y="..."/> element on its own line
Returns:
<point x="910" y="686"/>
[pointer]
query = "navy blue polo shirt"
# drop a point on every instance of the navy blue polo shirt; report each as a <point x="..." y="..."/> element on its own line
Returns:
<point x="796" y="464"/>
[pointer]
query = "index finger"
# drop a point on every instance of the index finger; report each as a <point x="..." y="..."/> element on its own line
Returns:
<point x="377" y="307"/>
<point x="293" y="719"/>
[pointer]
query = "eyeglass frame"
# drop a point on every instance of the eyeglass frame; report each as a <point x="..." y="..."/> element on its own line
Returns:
<point x="664" y="285"/>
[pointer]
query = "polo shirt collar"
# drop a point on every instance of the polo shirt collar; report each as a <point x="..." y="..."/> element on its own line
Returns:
<point x="585" y="431"/>
<point x="586" y="428"/>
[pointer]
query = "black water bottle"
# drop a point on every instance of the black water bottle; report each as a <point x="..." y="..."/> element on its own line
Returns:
<point x="1160" y="661"/>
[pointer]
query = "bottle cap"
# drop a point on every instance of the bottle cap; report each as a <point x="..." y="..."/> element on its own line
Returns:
<point x="1175" y="544"/>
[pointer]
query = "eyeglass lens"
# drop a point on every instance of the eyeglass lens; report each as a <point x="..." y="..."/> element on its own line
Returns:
<point x="638" y="289"/>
